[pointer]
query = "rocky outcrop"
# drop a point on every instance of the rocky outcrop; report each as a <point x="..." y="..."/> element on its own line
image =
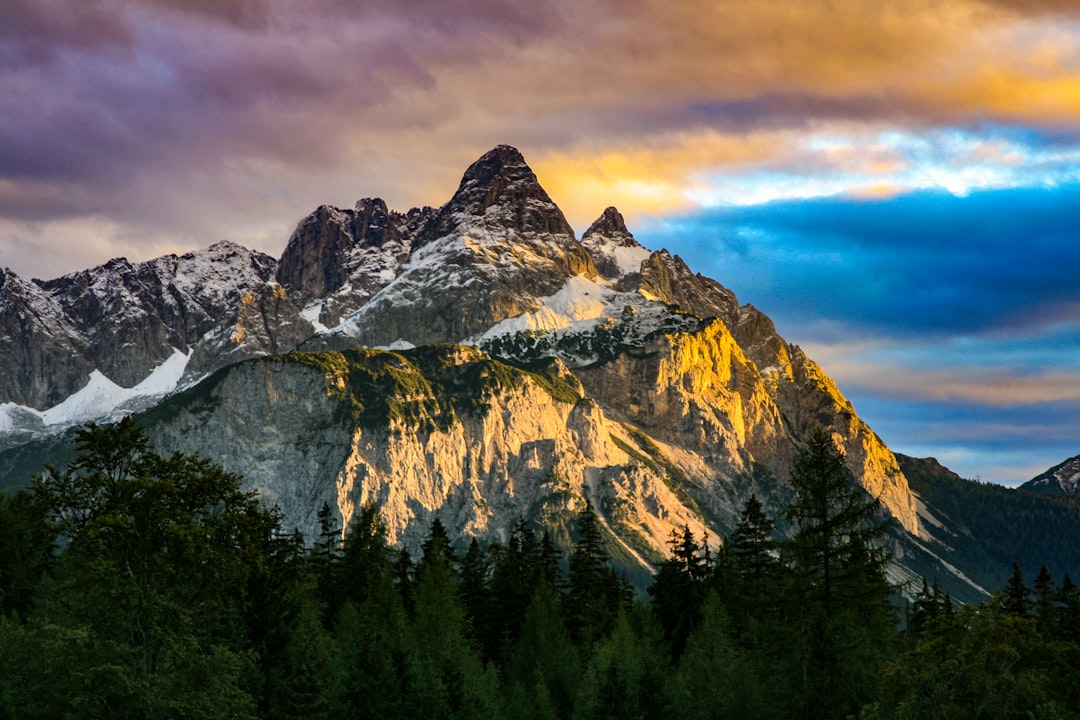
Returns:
<point x="441" y="430"/>
<point x="122" y="319"/>
<point x="613" y="248"/>
<point x="337" y="259"/>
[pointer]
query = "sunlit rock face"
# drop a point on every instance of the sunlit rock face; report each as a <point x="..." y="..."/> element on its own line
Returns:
<point x="443" y="430"/>
<point x="474" y="361"/>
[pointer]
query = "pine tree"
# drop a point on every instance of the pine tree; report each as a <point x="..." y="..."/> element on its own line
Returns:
<point x="365" y="557"/>
<point x="594" y="593"/>
<point x="931" y="608"/>
<point x="475" y="592"/>
<point x="329" y="542"/>
<point x="716" y="678"/>
<point x="754" y="575"/>
<point x="628" y="674"/>
<point x="26" y="551"/>
<point x="678" y="589"/>
<point x="753" y="547"/>
<point x="1068" y="619"/>
<point x="373" y="644"/>
<point x="445" y="677"/>
<point x="1016" y="598"/>
<point x="1044" y="599"/>
<point x="842" y="620"/>
<point x="306" y="680"/>
<point x="514" y="577"/>
<point x="438" y="550"/>
<point x="544" y="661"/>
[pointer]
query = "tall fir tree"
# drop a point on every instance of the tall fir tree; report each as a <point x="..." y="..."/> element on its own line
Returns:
<point x="679" y="588"/>
<point x="594" y="594"/>
<point x="839" y="607"/>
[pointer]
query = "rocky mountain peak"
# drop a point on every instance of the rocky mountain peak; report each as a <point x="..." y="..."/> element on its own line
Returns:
<point x="614" y="250"/>
<point x="1063" y="478"/>
<point x="6" y="276"/>
<point x="329" y="248"/>
<point x="372" y="206"/>
<point x="612" y="226"/>
<point x="501" y="189"/>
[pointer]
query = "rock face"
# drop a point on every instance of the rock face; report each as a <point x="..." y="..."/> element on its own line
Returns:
<point x="441" y="429"/>
<point x="337" y="259"/>
<point x="485" y="256"/>
<point x="121" y="319"/>
<point x="532" y="371"/>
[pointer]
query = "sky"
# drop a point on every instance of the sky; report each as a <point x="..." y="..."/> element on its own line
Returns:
<point x="896" y="183"/>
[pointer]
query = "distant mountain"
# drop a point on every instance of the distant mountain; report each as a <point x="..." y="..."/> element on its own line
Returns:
<point x="120" y="336"/>
<point x="476" y="362"/>
<point x="980" y="529"/>
<point x="1062" y="478"/>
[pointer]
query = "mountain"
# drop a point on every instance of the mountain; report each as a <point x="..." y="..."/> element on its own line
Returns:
<point x="120" y="336"/>
<point x="1062" y="478"/>
<point x="980" y="529"/>
<point x="476" y="362"/>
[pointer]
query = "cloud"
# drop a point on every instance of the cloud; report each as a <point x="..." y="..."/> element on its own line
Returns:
<point x="990" y="372"/>
<point x="199" y="119"/>
<point x="926" y="263"/>
<point x="1006" y="445"/>
<point x="39" y="31"/>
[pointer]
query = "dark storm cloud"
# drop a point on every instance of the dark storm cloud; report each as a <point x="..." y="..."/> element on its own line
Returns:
<point x="924" y="263"/>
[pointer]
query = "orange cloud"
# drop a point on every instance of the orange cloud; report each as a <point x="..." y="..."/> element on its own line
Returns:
<point x="647" y="179"/>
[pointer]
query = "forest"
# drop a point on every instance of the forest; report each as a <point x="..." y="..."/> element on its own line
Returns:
<point x="139" y="586"/>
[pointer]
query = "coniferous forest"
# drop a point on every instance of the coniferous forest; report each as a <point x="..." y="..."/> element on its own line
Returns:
<point x="139" y="586"/>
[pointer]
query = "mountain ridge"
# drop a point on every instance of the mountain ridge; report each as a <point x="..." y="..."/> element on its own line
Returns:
<point x="1062" y="478"/>
<point x="687" y="400"/>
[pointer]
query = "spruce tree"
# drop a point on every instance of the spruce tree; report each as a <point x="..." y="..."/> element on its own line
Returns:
<point x="842" y="620"/>
<point x="475" y="592"/>
<point x="1016" y="598"/>
<point x="678" y="589"/>
<point x="594" y="594"/>
<point x="1044" y="599"/>
<point x="755" y="571"/>
<point x="365" y="558"/>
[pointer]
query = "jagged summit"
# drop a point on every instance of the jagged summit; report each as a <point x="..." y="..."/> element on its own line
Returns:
<point x="501" y="188"/>
<point x="611" y="225"/>
<point x="615" y="251"/>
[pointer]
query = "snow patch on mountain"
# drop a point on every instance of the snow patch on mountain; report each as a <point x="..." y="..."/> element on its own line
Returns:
<point x="579" y="304"/>
<point x="101" y="397"/>
<point x="1062" y="478"/>
<point x="311" y="314"/>
<point x="627" y="258"/>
